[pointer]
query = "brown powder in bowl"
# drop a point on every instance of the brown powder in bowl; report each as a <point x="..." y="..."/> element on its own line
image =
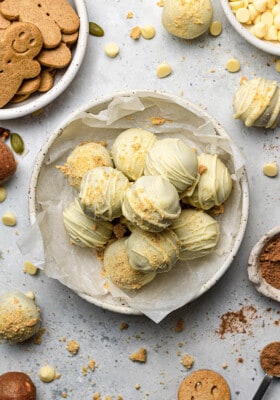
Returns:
<point x="270" y="359"/>
<point x="270" y="262"/>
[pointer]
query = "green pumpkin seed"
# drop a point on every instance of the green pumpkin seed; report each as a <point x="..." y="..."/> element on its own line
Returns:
<point x="95" y="29"/>
<point x="17" y="143"/>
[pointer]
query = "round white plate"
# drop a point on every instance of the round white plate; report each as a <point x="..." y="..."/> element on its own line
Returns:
<point x="166" y="106"/>
<point x="271" y="47"/>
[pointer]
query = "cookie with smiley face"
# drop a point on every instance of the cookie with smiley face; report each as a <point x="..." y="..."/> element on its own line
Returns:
<point x="20" y="43"/>
<point x="52" y="17"/>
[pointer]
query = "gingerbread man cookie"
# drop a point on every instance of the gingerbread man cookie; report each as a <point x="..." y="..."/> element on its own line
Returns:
<point x="19" y="45"/>
<point x="204" y="384"/>
<point x="52" y="17"/>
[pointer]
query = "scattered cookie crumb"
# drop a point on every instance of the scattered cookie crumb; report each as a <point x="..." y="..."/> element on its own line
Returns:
<point x="180" y="325"/>
<point x="135" y="33"/>
<point x="159" y="120"/>
<point x="137" y="386"/>
<point x="124" y="326"/>
<point x="96" y="396"/>
<point x="202" y="168"/>
<point x="129" y="15"/>
<point x="160" y="3"/>
<point x="187" y="361"/>
<point x="39" y="337"/>
<point x="270" y="169"/>
<point x="92" y="365"/>
<point x="224" y="366"/>
<point x="73" y="347"/>
<point x="139" y="356"/>
<point x="64" y="395"/>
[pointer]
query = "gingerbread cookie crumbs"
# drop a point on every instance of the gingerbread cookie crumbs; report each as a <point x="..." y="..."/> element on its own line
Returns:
<point x="139" y="356"/>
<point x="238" y="322"/>
<point x="73" y="347"/>
<point x="187" y="361"/>
<point x="180" y="325"/>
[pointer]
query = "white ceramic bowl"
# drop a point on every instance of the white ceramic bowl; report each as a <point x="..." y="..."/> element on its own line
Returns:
<point x="254" y="266"/>
<point x="271" y="47"/>
<point x="97" y="121"/>
<point x="63" y="78"/>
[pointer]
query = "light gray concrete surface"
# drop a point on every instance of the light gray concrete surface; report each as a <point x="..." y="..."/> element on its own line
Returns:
<point x="199" y="74"/>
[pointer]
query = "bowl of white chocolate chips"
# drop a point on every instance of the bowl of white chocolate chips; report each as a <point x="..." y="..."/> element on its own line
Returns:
<point x="258" y="22"/>
<point x="149" y="196"/>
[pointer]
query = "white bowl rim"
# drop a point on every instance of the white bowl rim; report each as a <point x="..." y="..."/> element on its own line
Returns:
<point x="23" y="109"/>
<point x="253" y="265"/>
<point x="264" y="45"/>
<point x="121" y="306"/>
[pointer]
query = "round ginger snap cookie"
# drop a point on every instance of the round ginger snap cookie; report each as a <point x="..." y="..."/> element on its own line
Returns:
<point x="204" y="384"/>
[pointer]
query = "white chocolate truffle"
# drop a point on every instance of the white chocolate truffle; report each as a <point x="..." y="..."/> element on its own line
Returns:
<point x="151" y="251"/>
<point x="19" y="317"/>
<point x="129" y="151"/>
<point x="214" y="186"/>
<point x="85" y="156"/>
<point x="102" y="191"/>
<point x="175" y="160"/>
<point x="187" y="19"/>
<point x="119" y="271"/>
<point x="198" y="233"/>
<point x="257" y="103"/>
<point x="84" y="231"/>
<point x="151" y="203"/>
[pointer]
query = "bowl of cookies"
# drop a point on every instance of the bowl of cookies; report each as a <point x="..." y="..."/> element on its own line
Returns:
<point x="257" y="22"/>
<point x="147" y="184"/>
<point x="42" y="49"/>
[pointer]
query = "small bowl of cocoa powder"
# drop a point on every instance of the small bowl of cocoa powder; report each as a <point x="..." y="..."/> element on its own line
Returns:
<point x="264" y="264"/>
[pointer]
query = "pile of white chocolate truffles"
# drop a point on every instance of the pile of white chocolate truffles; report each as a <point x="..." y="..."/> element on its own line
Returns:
<point x="144" y="203"/>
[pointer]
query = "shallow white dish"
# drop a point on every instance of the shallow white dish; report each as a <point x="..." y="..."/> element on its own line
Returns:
<point x="253" y="266"/>
<point x="63" y="78"/>
<point x="271" y="47"/>
<point x="166" y="106"/>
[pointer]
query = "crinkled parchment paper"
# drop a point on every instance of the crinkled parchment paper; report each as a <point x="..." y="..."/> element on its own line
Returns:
<point x="79" y="268"/>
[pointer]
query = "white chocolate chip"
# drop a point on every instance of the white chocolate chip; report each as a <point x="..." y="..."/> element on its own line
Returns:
<point x="148" y="32"/>
<point x="164" y="70"/>
<point x="233" y="65"/>
<point x="3" y="194"/>
<point x="277" y="65"/>
<point x="270" y="169"/>
<point x="112" y="50"/>
<point x="9" y="219"/>
<point x="47" y="374"/>
<point x="30" y="294"/>
<point x="215" y="28"/>
<point x="30" y="268"/>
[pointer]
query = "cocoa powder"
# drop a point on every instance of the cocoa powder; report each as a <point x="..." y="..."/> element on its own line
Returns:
<point x="270" y="262"/>
<point x="270" y="359"/>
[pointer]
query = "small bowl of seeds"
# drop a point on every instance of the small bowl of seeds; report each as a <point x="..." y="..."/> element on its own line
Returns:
<point x="264" y="264"/>
<point x="40" y="56"/>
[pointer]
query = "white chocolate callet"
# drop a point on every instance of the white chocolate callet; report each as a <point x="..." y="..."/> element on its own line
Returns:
<point x="216" y="28"/>
<point x="233" y="65"/>
<point x="153" y="252"/>
<point x="30" y="268"/>
<point x="85" y="156"/>
<point x="198" y="233"/>
<point x="270" y="169"/>
<point x="129" y="151"/>
<point x="151" y="203"/>
<point x="112" y="49"/>
<point x="83" y="231"/>
<point x="47" y="373"/>
<point x="187" y="19"/>
<point x="102" y="191"/>
<point x="119" y="271"/>
<point x="174" y="159"/>
<point x="164" y="70"/>
<point x="214" y="185"/>
<point x="9" y="218"/>
<point x="148" y="31"/>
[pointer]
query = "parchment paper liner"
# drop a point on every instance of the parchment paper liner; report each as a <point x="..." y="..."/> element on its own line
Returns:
<point x="47" y="244"/>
